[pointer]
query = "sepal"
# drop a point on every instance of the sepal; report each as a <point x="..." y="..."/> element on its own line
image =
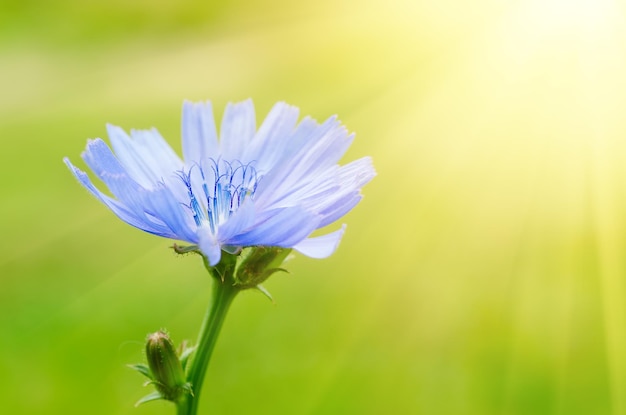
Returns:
<point x="189" y="249"/>
<point x="256" y="264"/>
<point x="266" y="293"/>
<point x="142" y="368"/>
<point x="154" y="396"/>
<point x="243" y="267"/>
<point x="185" y="352"/>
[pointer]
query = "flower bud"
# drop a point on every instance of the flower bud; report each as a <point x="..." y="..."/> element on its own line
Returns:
<point x="167" y="372"/>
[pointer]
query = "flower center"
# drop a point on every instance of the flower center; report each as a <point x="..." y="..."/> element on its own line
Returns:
<point x="223" y="185"/>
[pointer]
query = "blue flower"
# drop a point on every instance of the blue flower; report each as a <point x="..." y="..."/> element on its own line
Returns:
<point x="268" y="187"/>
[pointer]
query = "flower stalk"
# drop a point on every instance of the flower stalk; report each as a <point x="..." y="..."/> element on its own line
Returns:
<point x="223" y="294"/>
<point x="234" y="273"/>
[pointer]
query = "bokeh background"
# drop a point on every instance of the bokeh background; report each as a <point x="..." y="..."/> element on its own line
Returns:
<point x="483" y="273"/>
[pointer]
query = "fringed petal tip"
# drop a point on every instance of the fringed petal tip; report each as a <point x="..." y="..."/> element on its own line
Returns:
<point x="320" y="247"/>
<point x="68" y="163"/>
<point x="78" y="173"/>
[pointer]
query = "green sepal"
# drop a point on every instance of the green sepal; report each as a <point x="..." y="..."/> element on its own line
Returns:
<point x="142" y="368"/>
<point x="220" y="270"/>
<point x="258" y="263"/>
<point x="244" y="268"/>
<point x="190" y="249"/>
<point x="266" y="293"/>
<point x="224" y="269"/>
<point x="188" y="388"/>
<point x="185" y="355"/>
<point x="154" y="396"/>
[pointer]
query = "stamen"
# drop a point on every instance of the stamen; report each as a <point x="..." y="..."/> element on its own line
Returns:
<point x="233" y="183"/>
<point x="198" y="215"/>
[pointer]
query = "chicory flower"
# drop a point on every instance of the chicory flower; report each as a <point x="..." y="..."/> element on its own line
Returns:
<point x="271" y="186"/>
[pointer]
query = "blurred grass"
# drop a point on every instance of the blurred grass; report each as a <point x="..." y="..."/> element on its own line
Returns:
<point x="482" y="274"/>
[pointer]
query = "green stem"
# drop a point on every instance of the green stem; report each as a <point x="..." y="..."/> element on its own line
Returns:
<point x="223" y="294"/>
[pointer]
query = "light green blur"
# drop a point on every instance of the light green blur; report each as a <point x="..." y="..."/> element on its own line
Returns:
<point x="483" y="273"/>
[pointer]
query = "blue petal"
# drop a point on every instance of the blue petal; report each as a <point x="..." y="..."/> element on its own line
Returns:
<point x="339" y="208"/>
<point x="332" y="193"/>
<point x="239" y="222"/>
<point x="151" y="146"/>
<point x="324" y="146"/>
<point x="321" y="246"/>
<point x="349" y="180"/>
<point x="326" y="150"/>
<point x="281" y="227"/>
<point x="122" y="145"/>
<point x="209" y="245"/>
<point x="158" y="202"/>
<point x="357" y="173"/>
<point x="145" y="154"/>
<point x="238" y="128"/>
<point x="323" y="149"/>
<point x="308" y="193"/>
<point x="107" y="167"/>
<point x="302" y="134"/>
<point x="162" y="202"/>
<point x="120" y="210"/>
<point x="199" y="133"/>
<point x="273" y="137"/>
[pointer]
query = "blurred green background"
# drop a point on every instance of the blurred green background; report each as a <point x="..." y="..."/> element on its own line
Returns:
<point x="483" y="273"/>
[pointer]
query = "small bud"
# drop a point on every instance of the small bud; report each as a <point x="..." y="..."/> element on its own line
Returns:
<point x="167" y="372"/>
